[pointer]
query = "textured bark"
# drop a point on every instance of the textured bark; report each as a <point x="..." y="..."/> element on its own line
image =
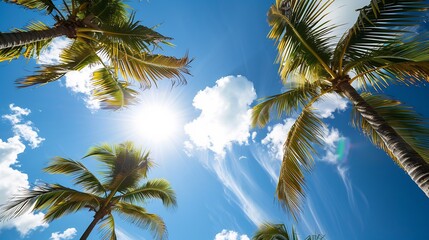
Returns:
<point x="14" y="39"/>
<point x="416" y="167"/>
<point x="91" y="226"/>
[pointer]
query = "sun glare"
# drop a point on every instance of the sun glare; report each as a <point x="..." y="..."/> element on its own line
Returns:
<point x="156" y="121"/>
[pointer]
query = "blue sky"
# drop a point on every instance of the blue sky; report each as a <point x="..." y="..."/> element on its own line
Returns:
<point x="223" y="171"/>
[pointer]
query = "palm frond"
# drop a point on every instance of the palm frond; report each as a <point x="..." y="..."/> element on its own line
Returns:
<point x="152" y="189"/>
<point x="315" y="237"/>
<point x="73" y="58"/>
<point x="378" y="23"/>
<point x="303" y="38"/>
<point x="287" y="102"/>
<point x="110" y="91"/>
<point x="123" y="35"/>
<point x="142" y="218"/>
<point x="40" y="198"/>
<point x="47" y="5"/>
<point x="82" y="176"/>
<point x="125" y="165"/>
<point x="407" y="123"/>
<point x="107" y="228"/>
<point x="31" y="50"/>
<point x="147" y="69"/>
<point x="68" y="206"/>
<point x="299" y="151"/>
<point x="107" y="12"/>
<point x="405" y="61"/>
<point x="270" y="231"/>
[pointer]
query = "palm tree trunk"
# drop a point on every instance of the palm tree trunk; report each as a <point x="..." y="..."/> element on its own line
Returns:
<point x="416" y="167"/>
<point x="14" y="39"/>
<point x="91" y="226"/>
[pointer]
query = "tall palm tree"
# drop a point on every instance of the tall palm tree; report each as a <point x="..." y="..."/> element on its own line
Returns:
<point x="103" y="34"/>
<point x="270" y="231"/>
<point x="377" y="50"/>
<point x="118" y="190"/>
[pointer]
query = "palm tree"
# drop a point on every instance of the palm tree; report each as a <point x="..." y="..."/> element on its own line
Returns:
<point x="270" y="231"/>
<point x="377" y="50"/>
<point x="103" y="34"/>
<point x="118" y="190"/>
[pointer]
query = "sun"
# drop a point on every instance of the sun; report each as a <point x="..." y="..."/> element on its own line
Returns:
<point x="156" y="121"/>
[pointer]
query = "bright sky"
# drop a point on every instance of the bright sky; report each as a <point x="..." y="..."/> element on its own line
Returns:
<point x="223" y="172"/>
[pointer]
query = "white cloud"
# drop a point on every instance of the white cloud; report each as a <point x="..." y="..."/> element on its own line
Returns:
<point x="69" y="233"/>
<point x="24" y="130"/>
<point x="28" y="133"/>
<point x="329" y="104"/>
<point x="224" y="121"/>
<point x="276" y="137"/>
<point x="254" y="136"/>
<point x="230" y="235"/>
<point x="271" y="154"/>
<point x="225" y="115"/>
<point x="332" y="139"/>
<point x="343" y="14"/>
<point x="77" y="81"/>
<point x="11" y="181"/>
<point x="29" y="222"/>
<point x="17" y="113"/>
<point x="80" y="82"/>
<point x="51" y="54"/>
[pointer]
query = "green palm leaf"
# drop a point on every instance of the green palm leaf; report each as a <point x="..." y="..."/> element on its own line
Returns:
<point x="141" y="218"/>
<point x="107" y="228"/>
<point x="110" y="91"/>
<point x="47" y="5"/>
<point x="124" y="35"/>
<point x="73" y="58"/>
<point x="302" y="36"/>
<point x="147" y="68"/>
<point x="70" y="205"/>
<point x="287" y="102"/>
<point x="40" y="198"/>
<point x="125" y="165"/>
<point x="269" y="231"/>
<point x="121" y="192"/>
<point x="82" y="176"/>
<point x="379" y="23"/>
<point x="299" y="152"/>
<point x="404" y="61"/>
<point x="407" y="123"/>
<point x="107" y="12"/>
<point x="315" y="237"/>
<point x="155" y="188"/>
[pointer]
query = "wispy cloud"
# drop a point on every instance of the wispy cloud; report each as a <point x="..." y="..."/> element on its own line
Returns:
<point x="12" y="180"/>
<point x="224" y="121"/>
<point x="232" y="177"/>
<point x="69" y="233"/>
<point x="230" y="235"/>
<point x="123" y="235"/>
